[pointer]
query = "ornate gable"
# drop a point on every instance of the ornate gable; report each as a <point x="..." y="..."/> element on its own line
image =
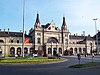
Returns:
<point x="52" y="27"/>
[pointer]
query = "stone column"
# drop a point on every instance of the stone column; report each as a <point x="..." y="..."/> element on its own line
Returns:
<point x="15" y="51"/>
<point x="47" y="49"/>
<point x="57" y="48"/>
<point x="77" y="50"/>
<point x="52" y="48"/>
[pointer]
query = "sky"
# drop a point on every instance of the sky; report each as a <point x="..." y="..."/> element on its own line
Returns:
<point x="79" y="14"/>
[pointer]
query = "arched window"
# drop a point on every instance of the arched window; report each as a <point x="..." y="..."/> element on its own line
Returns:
<point x="1" y="41"/>
<point x="12" y="51"/>
<point x="17" y="41"/>
<point x="25" y="50"/>
<point x="55" y="28"/>
<point x="11" y="41"/>
<point x="52" y="40"/>
<point x="71" y="51"/>
<point x="49" y="28"/>
<point x="75" y="50"/>
<point x="66" y="52"/>
<point x="31" y="50"/>
<point x="38" y="40"/>
<point x="19" y="51"/>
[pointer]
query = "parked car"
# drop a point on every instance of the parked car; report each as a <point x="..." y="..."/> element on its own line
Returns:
<point x="35" y="55"/>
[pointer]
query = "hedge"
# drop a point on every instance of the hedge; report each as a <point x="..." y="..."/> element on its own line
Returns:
<point x="28" y="60"/>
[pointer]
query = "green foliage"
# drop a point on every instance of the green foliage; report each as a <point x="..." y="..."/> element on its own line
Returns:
<point x="89" y="64"/>
<point x="28" y="60"/>
<point x="25" y="57"/>
<point x="52" y="57"/>
<point x="77" y="66"/>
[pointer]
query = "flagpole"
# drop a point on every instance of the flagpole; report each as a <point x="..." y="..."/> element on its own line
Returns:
<point x="23" y="27"/>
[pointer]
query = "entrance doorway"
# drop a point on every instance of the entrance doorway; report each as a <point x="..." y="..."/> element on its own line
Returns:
<point x="12" y="51"/>
<point x="0" y="53"/>
<point x="54" y="51"/>
<point x="18" y="51"/>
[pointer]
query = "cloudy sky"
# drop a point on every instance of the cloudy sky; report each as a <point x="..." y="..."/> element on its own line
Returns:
<point x="79" y="14"/>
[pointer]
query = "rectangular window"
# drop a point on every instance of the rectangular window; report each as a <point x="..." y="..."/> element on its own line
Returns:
<point x="38" y="40"/>
<point x="39" y="34"/>
<point x="66" y="40"/>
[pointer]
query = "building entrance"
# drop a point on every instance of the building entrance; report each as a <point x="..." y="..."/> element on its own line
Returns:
<point x="0" y="52"/>
<point x="54" y="51"/>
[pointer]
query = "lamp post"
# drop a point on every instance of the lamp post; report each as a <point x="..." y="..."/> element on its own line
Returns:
<point x="91" y="51"/>
<point x="96" y="35"/>
<point x="23" y="27"/>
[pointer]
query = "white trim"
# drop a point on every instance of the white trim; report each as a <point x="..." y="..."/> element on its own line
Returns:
<point x="0" y="50"/>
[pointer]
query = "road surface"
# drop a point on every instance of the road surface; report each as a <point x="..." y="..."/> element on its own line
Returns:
<point x="51" y="69"/>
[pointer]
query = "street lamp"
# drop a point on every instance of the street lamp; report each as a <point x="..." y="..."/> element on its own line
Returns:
<point x="96" y="35"/>
<point x="91" y="51"/>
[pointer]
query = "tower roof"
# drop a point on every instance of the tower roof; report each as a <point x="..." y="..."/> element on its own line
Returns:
<point x="64" y="26"/>
<point x="64" y="22"/>
<point x="37" y="19"/>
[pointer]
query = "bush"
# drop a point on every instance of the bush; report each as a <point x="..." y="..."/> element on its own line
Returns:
<point x="28" y="60"/>
<point x="52" y="57"/>
<point x="45" y="55"/>
<point x="25" y="57"/>
<point x="89" y="64"/>
<point x="77" y="66"/>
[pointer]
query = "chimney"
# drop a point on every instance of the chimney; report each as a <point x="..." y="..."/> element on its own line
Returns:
<point x="8" y="30"/>
<point x="76" y="34"/>
<point x="89" y="35"/>
<point x="4" y="30"/>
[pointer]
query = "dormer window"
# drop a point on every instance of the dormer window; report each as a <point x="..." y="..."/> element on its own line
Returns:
<point x="55" y="28"/>
<point x="11" y="41"/>
<point x="49" y="28"/>
<point x="52" y="26"/>
<point x="17" y="41"/>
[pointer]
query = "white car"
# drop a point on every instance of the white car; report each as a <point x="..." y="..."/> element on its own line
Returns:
<point x="35" y="55"/>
